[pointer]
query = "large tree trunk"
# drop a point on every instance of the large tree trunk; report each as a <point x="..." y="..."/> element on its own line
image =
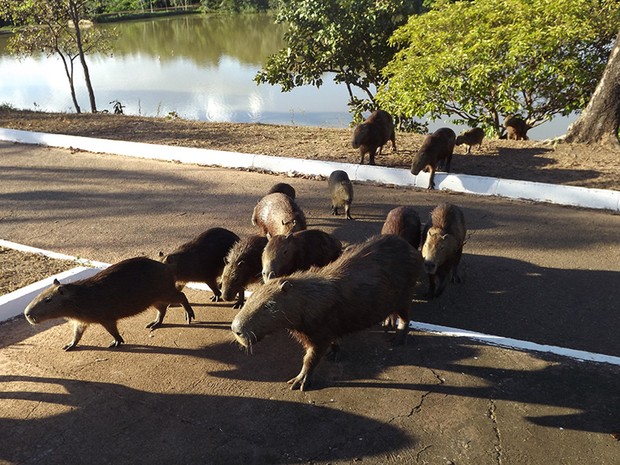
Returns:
<point x="75" y="16"/>
<point x="600" y="121"/>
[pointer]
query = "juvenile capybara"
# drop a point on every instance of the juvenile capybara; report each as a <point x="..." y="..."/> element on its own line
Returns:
<point x="373" y="134"/>
<point x="404" y="222"/>
<point x="283" y="188"/>
<point x="278" y="213"/>
<point x="243" y="267"/>
<point x="436" y="147"/>
<point x="298" y="251"/>
<point x="443" y="246"/>
<point x="122" y="290"/>
<point x="470" y="138"/>
<point x="367" y="283"/>
<point x="341" y="192"/>
<point x="201" y="259"/>
<point x="516" y="128"/>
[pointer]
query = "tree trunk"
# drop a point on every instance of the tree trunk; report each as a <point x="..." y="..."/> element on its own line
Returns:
<point x="600" y="121"/>
<point x="75" y="16"/>
<point x="69" y="73"/>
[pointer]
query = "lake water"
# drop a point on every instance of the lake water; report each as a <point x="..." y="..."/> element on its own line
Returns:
<point x="197" y="67"/>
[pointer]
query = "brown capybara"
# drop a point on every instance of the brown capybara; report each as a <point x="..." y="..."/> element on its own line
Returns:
<point x="277" y="213"/>
<point x="373" y="134"/>
<point x="516" y="128"/>
<point x="243" y="267"/>
<point x="298" y="251"/>
<point x="341" y="192"/>
<point x="444" y="238"/>
<point x="201" y="259"/>
<point x="122" y="290"/>
<point x="283" y="188"/>
<point x="404" y="222"/>
<point x="470" y="138"/>
<point x="436" y="147"/>
<point x="367" y="283"/>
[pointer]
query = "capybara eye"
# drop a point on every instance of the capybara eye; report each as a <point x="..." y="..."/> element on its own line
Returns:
<point x="47" y="300"/>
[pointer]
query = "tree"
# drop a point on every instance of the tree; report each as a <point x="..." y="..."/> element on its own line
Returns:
<point x="478" y="61"/>
<point x="600" y="121"/>
<point x="57" y="27"/>
<point x="346" y="37"/>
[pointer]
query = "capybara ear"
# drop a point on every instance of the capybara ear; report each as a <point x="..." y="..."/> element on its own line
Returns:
<point x="161" y="254"/>
<point x="285" y="286"/>
<point x="56" y="282"/>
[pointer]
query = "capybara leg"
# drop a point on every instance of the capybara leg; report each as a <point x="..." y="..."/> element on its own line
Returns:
<point x="78" y="330"/>
<point x="217" y="294"/>
<point x="393" y="139"/>
<point x="431" y="286"/>
<point x="111" y="328"/>
<point x="448" y="161"/>
<point x="455" y="277"/>
<point x="334" y="210"/>
<point x="313" y="355"/>
<point x="442" y="281"/>
<point x="161" y="313"/>
<point x="347" y="211"/>
<point x="371" y="155"/>
<point x="240" y="300"/>
<point x="189" y="311"/>
<point x="400" y="337"/>
<point x="431" y="181"/>
<point x="334" y="352"/>
<point x="362" y="153"/>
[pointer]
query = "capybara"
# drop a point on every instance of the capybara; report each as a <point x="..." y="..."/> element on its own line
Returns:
<point x="436" y="147"/>
<point x="298" y="251"/>
<point x="283" y="188"/>
<point x="243" y="267"/>
<point x="404" y="222"/>
<point x="122" y="290"/>
<point x="470" y="138"/>
<point x="443" y="246"/>
<point x="341" y="192"/>
<point x="278" y="213"/>
<point x="516" y="128"/>
<point x="373" y="134"/>
<point x="201" y="259"/>
<point x="367" y="283"/>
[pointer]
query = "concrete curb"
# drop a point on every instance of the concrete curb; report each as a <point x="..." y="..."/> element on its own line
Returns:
<point x="477" y="185"/>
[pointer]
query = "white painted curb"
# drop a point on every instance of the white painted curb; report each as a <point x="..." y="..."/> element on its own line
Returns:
<point x="15" y="303"/>
<point x="478" y="185"/>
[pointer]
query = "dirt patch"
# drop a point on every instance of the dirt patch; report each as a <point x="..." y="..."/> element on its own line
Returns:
<point x="20" y="269"/>
<point x="570" y="164"/>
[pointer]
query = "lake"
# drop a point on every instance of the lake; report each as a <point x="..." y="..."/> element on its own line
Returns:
<point x="197" y="67"/>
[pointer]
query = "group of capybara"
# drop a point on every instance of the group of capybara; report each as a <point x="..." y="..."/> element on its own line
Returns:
<point x="437" y="148"/>
<point x="304" y="280"/>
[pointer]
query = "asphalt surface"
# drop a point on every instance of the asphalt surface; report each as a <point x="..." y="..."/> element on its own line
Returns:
<point x="188" y="394"/>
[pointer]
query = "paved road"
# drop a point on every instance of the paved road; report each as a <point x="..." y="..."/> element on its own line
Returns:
<point x="535" y="272"/>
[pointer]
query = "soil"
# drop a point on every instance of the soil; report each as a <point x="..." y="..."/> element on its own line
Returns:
<point x="540" y="161"/>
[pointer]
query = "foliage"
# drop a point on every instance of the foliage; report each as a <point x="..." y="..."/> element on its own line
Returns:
<point x="237" y="6"/>
<point x="56" y="27"/>
<point x="346" y="37"/>
<point x="475" y="61"/>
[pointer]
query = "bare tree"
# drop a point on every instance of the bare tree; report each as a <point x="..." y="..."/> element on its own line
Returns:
<point x="57" y="27"/>
<point x="600" y="121"/>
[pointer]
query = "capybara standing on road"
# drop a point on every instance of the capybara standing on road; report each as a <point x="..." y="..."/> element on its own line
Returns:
<point x="443" y="246"/>
<point x="436" y="147"/>
<point x="516" y="128"/>
<point x="366" y="284"/>
<point x="298" y="251"/>
<point x="122" y="290"/>
<point x="243" y="267"/>
<point x="283" y="188"/>
<point x="201" y="260"/>
<point x="277" y="213"/>
<point x="341" y="192"/>
<point x="404" y="222"/>
<point x="470" y="138"/>
<point x="373" y="134"/>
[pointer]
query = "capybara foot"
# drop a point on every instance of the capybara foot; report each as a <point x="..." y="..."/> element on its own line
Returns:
<point x="237" y="305"/>
<point x="153" y="325"/>
<point x="216" y="298"/>
<point x="117" y="342"/>
<point x="349" y="217"/>
<point x="301" y="382"/>
<point x="69" y="346"/>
